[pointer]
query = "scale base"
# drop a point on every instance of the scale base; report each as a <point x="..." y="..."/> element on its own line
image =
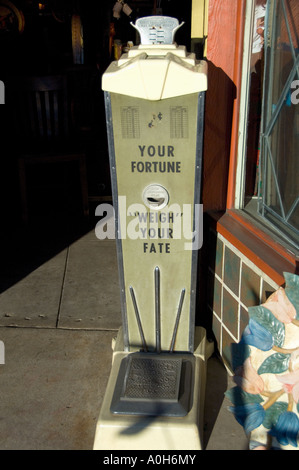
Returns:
<point x="154" y="385"/>
<point x="179" y="426"/>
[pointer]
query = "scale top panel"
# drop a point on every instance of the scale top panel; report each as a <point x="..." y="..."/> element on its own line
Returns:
<point x="157" y="29"/>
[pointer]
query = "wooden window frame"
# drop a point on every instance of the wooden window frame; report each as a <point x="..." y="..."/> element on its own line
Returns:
<point x="263" y="250"/>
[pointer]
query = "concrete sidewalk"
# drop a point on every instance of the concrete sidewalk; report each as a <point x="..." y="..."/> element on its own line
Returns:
<point x="59" y="311"/>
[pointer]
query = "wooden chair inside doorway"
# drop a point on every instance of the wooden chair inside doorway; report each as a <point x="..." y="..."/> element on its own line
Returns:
<point x="43" y="119"/>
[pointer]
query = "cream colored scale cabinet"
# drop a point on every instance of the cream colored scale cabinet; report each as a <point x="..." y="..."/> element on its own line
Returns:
<point x="154" y="99"/>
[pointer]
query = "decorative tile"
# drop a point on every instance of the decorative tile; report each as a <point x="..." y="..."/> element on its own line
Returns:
<point x="217" y="330"/>
<point x="234" y="285"/>
<point x="267" y="290"/>
<point x="244" y="318"/>
<point x="219" y="257"/>
<point x="227" y="342"/>
<point x="214" y="294"/>
<point x="215" y="253"/>
<point x="230" y="313"/>
<point x="231" y="270"/>
<point x="250" y="286"/>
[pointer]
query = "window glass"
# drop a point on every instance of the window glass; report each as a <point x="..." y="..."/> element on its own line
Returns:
<point x="255" y="98"/>
<point x="279" y="166"/>
<point x="271" y="186"/>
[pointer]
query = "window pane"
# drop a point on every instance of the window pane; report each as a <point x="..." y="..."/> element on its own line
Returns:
<point x="279" y="175"/>
<point x="255" y="98"/>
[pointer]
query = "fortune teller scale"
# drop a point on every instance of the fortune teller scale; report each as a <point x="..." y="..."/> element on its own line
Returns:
<point x="154" y="99"/>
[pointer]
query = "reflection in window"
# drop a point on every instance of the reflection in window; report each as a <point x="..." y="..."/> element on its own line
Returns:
<point x="272" y="163"/>
<point x="255" y="97"/>
<point x="279" y="168"/>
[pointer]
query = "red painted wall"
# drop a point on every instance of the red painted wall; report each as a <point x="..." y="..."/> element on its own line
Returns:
<point x="223" y="46"/>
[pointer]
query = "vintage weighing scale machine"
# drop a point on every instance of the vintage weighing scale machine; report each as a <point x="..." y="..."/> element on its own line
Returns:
<point x="154" y="98"/>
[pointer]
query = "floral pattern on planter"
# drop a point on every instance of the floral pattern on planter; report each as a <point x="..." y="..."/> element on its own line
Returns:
<point x="266" y="370"/>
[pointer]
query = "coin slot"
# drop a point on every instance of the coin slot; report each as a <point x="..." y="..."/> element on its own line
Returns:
<point x="155" y="197"/>
<point x="155" y="201"/>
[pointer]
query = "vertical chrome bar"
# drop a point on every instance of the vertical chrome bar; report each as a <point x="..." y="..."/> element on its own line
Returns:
<point x="157" y="310"/>
<point x="197" y="199"/>
<point x="138" y="319"/>
<point x="177" y="321"/>
<point x="111" y="147"/>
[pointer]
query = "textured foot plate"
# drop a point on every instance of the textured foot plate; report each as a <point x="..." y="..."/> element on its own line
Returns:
<point x="154" y="384"/>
